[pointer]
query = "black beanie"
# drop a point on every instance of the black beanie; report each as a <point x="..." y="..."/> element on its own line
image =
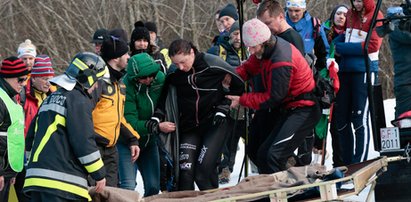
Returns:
<point x="139" y="32"/>
<point x="119" y="33"/>
<point x="229" y="10"/>
<point x="151" y="26"/>
<point x="113" y="47"/>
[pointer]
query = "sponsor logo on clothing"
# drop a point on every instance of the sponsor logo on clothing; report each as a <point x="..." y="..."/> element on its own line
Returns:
<point x="185" y="166"/>
<point x="184" y="156"/>
<point x="188" y="146"/>
<point x="202" y="154"/>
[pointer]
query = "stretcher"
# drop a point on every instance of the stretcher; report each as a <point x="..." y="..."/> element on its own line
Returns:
<point x="359" y="175"/>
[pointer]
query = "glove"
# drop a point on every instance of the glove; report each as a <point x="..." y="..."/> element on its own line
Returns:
<point x="219" y="118"/>
<point x="152" y="126"/>
<point x="330" y="61"/>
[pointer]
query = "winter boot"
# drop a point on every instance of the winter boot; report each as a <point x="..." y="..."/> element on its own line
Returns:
<point x="224" y="176"/>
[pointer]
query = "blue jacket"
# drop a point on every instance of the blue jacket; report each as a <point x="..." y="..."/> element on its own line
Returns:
<point x="306" y="29"/>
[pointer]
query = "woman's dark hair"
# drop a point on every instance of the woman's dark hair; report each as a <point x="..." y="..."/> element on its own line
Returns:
<point x="181" y="46"/>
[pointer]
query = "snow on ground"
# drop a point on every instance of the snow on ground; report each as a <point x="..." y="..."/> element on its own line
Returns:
<point x="389" y="114"/>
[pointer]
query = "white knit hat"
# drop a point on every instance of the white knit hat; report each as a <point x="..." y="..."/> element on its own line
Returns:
<point x="255" y="32"/>
<point x="296" y="3"/>
<point x="26" y="48"/>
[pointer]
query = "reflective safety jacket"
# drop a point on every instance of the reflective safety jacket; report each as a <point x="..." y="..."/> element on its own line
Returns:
<point x="64" y="150"/>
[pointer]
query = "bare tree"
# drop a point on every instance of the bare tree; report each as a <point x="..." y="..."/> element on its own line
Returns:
<point x="61" y="28"/>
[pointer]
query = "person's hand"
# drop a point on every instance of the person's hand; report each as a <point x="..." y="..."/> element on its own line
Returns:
<point x="152" y="126"/>
<point x="100" y="185"/>
<point x="219" y="118"/>
<point x="135" y="152"/>
<point x="167" y="127"/>
<point x="1" y="183"/>
<point x="331" y="61"/>
<point x="235" y="100"/>
<point x="226" y="83"/>
<point x="13" y="181"/>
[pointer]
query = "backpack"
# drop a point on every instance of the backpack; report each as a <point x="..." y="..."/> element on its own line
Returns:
<point x="324" y="86"/>
<point x="316" y="27"/>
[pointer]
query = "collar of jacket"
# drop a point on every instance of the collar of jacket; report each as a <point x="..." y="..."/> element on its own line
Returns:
<point x="114" y="74"/>
<point x="199" y="62"/>
<point x="269" y="50"/>
<point x="6" y="87"/>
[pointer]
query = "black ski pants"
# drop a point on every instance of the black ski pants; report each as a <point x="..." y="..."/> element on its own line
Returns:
<point x="200" y="149"/>
<point x="290" y="130"/>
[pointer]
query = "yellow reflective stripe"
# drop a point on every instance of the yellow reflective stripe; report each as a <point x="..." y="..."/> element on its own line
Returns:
<point x="100" y="74"/>
<point x="35" y="128"/>
<point x="53" y="184"/>
<point x="90" y="80"/>
<point x="50" y="130"/>
<point x="80" y="64"/>
<point x="94" y="166"/>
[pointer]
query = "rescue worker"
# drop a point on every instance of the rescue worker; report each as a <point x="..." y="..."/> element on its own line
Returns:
<point x="64" y="150"/>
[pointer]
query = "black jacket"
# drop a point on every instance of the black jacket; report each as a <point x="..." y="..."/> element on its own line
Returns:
<point x="64" y="150"/>
<point x="200" y="92"/>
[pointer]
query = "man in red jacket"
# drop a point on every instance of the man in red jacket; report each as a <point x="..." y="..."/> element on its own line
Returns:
<point x="288" y="83"/>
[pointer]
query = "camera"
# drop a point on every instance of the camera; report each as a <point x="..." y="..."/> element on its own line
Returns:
<point x="399" y="16"/>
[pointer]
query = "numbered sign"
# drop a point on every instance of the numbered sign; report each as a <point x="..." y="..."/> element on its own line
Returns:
<point x="390" y="138"/>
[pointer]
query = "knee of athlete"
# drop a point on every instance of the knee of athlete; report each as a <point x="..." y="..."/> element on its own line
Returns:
<point x="275" y="160"/>
<point x="185" y="164"/>
<point x="341" y="127"/>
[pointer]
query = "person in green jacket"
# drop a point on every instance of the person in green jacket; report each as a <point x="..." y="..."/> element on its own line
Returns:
<point x="144" y="82"/>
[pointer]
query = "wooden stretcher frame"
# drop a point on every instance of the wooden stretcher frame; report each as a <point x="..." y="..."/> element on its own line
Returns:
<point x="360" y="175"/>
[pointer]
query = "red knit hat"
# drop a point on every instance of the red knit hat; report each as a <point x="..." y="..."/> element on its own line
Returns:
<point x="13" y="67"/>
<point x="42" y="66"/>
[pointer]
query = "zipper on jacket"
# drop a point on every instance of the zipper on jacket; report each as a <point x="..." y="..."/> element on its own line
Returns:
<point x="152" y="112"/>
<point x="198" y="97"/>
<point x="118" y="113"/>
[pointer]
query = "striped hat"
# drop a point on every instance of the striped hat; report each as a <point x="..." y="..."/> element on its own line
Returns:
<point x="26" y="48"/>
<point x="42" y="66"/>
<point x="13" y="67"/>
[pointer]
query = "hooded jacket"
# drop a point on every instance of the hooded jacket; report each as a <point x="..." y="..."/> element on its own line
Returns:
<point x="141" y="100"/>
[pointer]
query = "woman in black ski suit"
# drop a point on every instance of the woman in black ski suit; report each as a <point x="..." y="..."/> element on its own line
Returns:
<point x="198" y="78"/>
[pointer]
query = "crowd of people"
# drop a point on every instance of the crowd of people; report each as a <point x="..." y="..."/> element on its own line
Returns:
<point x="104" y="119"/>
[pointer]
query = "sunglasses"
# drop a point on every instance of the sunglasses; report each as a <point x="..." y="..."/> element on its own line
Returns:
<point x="22" y="79"/>
<point x="148" y="76"/>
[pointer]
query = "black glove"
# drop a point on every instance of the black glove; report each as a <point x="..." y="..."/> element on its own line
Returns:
<point x="219" y="118"/>
<point x="152" y="126"/>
